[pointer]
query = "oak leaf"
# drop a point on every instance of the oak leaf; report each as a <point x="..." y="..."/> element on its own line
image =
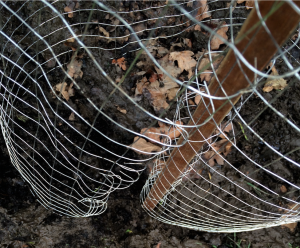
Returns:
<point x="185" y="61"/>
<point x="215" y="41"/>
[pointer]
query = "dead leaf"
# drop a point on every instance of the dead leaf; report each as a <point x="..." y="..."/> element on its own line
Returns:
<point x="74" y="68"/>
<point x="71" y="91"/>
<point x="294" y="207"/>
<point x="169" y="67"/>
<point x="283" y="189"/>
<point x="276" y="84"/>
<point x="144" y="147"/>
<point x="187" y="42"/>
<point x="203" y="10"/>
<point x="124" y="111"/>
<point x="158" y="133"/>
<point x="72" y="117"/>
<point x="69" y="9"/>
<point x="215" y="41"/>
<point x="249" y="4"/>
<point x="120" y="62"/>
<point x="197" y="28"/>
<point x="156" y="94"/>
<point x="185" y="61"/>
<point x="140" y="85"/>
<point x="291" y="226"/>
<point x="226" y="129"/>
<point x="171" y="93"/>
<point x="197" y="98"/>
<point x="66" y="91"/>
<point x="190" y="3"/>
<point x="216" y="149"/>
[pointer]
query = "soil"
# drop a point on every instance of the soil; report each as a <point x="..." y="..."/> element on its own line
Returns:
<point x="24" y="221"/>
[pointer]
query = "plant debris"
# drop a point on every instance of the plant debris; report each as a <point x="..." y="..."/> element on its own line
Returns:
<point x="69" y="9"/>
<point x="120" y="62"/>
<point x="124" y="111"/>
<point x="215" y="41"/>
<point x="185" y="61"/>
<point x="65" y="90"/>
<point x="158" y="133"/>
<point x="74" y="68"/>
<point x="249" y="3"/>
<point x="294" y="207"/>
<point x="156" y="94"/>
<point x="144" y="147"/>
<point x="222" y="146"/>
<point x="274" y="84"/>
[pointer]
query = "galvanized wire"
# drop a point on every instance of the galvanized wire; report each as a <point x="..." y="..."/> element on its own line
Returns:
<point x="73" y="165"/>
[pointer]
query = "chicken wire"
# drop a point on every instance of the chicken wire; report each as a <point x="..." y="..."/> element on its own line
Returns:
<point x="72" y="162"/>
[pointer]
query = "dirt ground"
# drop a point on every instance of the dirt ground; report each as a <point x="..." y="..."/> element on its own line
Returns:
<point x="25" y="223"/>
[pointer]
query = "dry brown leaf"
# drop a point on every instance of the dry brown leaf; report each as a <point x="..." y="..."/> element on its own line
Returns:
<point x="203" y="10"/>
<point x="143" y="146"/>
<point x="185" y="61"/>
<point x="74" y="68"/>
<point x="71" y="90"/>
<point x="168" y="66"/>
<point x="140" y="85"/>
<point x="291" y="226"/>
<point x="69" y="9"/>
<point x="157" y="96"/>
<point x="124" y="111"/>
<point x="249" y="4"/>
<point x="72" y="117"/>
<point x="187" y="42"/>
<point x="102" y="30"/>
<point x="215" y="41"/>
<point x="221" y="146"/>
<point x="293" y="207"/>
<point x="171" y="93"/>
<point x="197" y="28"/>
<point x="197" y="98"/>
<point x="66" y="91"/>
<point x="158" y="133"/>
<point x="227" y="129"/>
<point x="276" y="84"/>
<point x="283" y="189"/>
<point x="190" y="3"/>
<point x="120" y="62"/>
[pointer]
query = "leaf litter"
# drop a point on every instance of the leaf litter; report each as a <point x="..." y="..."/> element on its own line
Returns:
<point x="274" y="84"/>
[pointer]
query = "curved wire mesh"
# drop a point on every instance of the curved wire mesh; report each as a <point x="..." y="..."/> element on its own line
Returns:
<point x="78" y="127"/>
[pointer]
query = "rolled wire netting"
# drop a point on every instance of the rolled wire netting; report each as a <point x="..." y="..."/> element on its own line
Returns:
<point x="73" y="121"/>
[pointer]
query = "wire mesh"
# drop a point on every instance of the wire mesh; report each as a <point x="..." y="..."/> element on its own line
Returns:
<point x="80" y="123"/>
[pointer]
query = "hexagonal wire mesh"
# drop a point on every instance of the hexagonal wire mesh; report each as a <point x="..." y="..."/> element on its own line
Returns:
<point x="78" y="127"/>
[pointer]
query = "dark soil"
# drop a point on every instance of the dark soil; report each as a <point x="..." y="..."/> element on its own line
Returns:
<point x="124" y="224"/>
